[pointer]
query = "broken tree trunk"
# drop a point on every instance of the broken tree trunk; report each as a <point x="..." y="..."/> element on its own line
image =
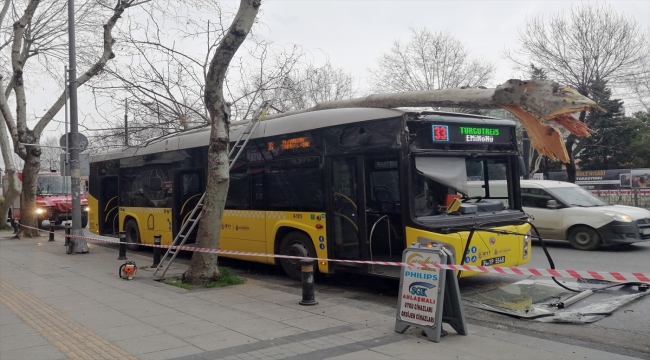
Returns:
<point x="538" y="104"/>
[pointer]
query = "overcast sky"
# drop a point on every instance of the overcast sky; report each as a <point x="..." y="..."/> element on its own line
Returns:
<point x="355" y="33"/>
<point x="352" y="34"/>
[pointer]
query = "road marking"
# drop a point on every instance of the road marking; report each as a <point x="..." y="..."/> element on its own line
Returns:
<point x="68" y="336"/>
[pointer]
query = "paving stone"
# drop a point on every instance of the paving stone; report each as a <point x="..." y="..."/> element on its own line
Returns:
<point x="275" y="333"/>
<point x="151" y="343"/>
<point x="128" y="331"/>
<point x="171" y="353"/>
<point x="73" y="302"/>
<point x="255" y="325"/>
<point x="194" y="328"/>
<point x="314" y="322"/>
<point x="165" y="320"/>
<point x="102" y="317"/>
<point x="366" y="355"/>
<point x="22" y="341"/>
<point x="219" y="340"/>
<point x="283" y="313"/>
<point x="18" y="328"/>
<point x="43" y="352"/>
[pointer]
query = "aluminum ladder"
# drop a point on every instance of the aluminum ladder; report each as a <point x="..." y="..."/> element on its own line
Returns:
<point x="197" y="212"/>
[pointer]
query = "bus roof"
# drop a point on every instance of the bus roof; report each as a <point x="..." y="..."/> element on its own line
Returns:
<point x="289" y="124"/>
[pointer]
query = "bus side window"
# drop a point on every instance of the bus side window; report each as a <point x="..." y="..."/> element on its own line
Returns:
<point x="257" y="180"/>
<point x="295" y="185"/>
<point x="239" y="190"/>
<point x="191" y="184"/>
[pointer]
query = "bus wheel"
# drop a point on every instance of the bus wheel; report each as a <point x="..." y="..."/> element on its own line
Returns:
<point x="295" y="244"/>
<point x="584" y="238"/>
<point x="132" y="235"/>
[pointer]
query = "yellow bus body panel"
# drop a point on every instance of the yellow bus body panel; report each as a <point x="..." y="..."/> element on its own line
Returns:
<point x="151" y="221"/>
<point x="255" y="231"/>
<point x="93" y="212"/>
<point x="484" y="245"/>
<point x="243" y="230"/>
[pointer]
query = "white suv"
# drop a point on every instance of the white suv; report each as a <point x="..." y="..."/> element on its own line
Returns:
<point x="566" y="211"/>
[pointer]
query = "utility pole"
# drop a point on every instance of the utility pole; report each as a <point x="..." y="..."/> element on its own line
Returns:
<point x="126" y="123"/>
<point x="79" y="244"/>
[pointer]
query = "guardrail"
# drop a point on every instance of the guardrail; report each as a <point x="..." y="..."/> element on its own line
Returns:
<point x="632" y="197"/>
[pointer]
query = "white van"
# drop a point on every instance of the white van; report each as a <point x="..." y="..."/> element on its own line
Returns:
<point x="565" y="211"/>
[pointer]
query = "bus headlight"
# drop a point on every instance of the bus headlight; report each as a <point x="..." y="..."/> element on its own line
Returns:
<point x="527" y="238"/>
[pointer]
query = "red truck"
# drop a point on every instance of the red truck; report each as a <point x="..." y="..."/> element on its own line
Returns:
<point x="53" y="199"/>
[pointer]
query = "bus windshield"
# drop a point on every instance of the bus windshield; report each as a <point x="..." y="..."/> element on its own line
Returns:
<point x="53" y="185"/>
<point x="438" y="180"/>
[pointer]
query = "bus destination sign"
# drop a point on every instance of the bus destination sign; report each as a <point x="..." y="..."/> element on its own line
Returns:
<point x="468" y="134"/>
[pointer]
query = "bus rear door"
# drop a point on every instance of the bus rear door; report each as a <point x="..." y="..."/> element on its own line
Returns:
<point x="188" y="187"/>
<point x="108" y="214"/>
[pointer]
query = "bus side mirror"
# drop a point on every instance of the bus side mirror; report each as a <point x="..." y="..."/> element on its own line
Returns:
<point x="522" y="167"/>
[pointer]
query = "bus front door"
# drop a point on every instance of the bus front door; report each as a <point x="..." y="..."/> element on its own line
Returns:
<point x="188" y="187"/>
<point x="383" y="212"/>
<point x="108" y="210"/>
<point x="343" y="209"/>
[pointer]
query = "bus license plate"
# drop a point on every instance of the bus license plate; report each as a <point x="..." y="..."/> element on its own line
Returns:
<point x="493" y="261"/>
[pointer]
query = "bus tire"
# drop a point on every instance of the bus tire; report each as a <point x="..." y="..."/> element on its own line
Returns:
<point x="295" y="244"/>
<point x="132" y="234"/>
<point x="584" y="237"/>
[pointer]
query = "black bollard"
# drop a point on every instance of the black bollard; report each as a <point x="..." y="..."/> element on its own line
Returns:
<point x="69" y="244"/>
<point x="122" y="255"/>
<point x="307" y="267"/>
<point x="51" y="238"/>
<point x="16" y="225"/>
<point x="156" y="251"/>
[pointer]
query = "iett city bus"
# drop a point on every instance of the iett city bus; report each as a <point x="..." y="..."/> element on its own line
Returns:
<point x="350" y="184"/>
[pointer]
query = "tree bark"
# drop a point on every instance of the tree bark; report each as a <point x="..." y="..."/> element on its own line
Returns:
<point x="28" y="200"/>
<point x="203" y="266"/>
<point x="13" y="187"/>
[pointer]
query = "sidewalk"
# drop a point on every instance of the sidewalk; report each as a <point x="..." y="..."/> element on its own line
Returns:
<point x="58" y="306"/>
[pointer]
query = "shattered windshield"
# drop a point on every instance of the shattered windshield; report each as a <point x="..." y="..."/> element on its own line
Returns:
<point x="53" y="185"/>
<point x="438" y="180"/>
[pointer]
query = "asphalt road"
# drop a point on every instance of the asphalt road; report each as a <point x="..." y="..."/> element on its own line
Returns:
<point x="625" y="332"/>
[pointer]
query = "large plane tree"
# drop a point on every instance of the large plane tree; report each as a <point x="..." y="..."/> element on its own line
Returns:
<point x="36" y="41"/>
<point x="203" y="266"/>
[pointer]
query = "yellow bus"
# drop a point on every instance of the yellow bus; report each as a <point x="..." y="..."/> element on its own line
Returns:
<point x="348" y="184"/>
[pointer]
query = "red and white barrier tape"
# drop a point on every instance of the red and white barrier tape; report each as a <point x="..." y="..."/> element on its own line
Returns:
<point x="574" y="274"/>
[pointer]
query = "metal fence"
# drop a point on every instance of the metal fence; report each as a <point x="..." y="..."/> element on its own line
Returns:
<point x="634" y="197"/>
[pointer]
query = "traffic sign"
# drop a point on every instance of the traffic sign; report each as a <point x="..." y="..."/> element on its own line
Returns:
<point x="81" y="139"/>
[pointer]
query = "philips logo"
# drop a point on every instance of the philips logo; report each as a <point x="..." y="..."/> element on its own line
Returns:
<point x="420" y="288"/>
<point x="419" y="275"/>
